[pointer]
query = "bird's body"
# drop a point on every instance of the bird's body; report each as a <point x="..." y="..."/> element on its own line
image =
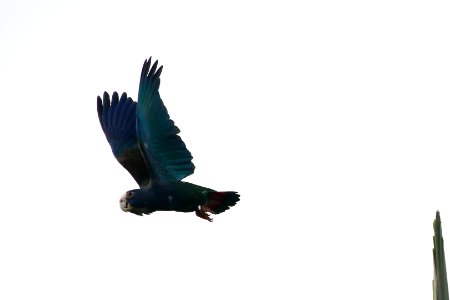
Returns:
<point x="172" y="195"/>
<point x="145" y="141"/>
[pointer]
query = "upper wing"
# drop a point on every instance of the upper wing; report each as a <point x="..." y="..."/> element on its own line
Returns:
<point x="118" y="121"/>
<point x="164" y="151"/>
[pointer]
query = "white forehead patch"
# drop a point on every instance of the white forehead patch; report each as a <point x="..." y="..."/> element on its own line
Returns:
<point x="123" y="203"/>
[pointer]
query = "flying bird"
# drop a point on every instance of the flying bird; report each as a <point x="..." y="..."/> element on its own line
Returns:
<point x="146" y="143"/>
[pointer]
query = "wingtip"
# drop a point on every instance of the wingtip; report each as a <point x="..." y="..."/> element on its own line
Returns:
<point x="145" y="68"/>
<point x="152" y="70"/>
<point x="158" y="72"/>
<point x="148" y="62"/>
<point x="123" y="97"/>
<point x="114" y="99"/>
<point x="99" y="106"/>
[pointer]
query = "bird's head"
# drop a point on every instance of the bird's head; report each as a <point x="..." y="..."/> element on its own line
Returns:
<point x="135" y="202"/>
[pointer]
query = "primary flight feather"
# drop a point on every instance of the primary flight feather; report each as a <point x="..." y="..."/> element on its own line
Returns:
<point x="145" y="141"/>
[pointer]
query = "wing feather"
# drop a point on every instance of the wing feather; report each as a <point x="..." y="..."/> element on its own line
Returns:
<point x="164" y="151"/>
<point x="118" y="121"/>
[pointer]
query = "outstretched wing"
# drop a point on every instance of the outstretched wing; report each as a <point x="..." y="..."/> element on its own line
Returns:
<point x="440" y="286"/>
<point x="118" y="121"/>
<point x="164" y="151"/>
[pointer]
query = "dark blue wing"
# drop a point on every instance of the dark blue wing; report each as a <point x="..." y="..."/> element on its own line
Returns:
<point x="164" y="151"/>
<point x="118" y="121"/>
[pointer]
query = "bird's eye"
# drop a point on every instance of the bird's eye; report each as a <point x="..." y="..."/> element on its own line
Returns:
<point x="130" y="194"/>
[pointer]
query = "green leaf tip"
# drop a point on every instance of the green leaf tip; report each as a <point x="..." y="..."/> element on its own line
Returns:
<point x="440" y="285"/>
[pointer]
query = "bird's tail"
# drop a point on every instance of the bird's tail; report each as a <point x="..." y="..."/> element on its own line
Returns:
<point x="216" y="203"/>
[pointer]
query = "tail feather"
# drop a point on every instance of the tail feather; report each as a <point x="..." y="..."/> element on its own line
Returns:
<point x="216" y="203"/>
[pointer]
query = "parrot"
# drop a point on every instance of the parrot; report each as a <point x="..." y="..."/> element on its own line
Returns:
<point x="146" y="142"/>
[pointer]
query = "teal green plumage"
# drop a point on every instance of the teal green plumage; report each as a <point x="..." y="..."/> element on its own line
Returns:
<point x="145" y="141"/>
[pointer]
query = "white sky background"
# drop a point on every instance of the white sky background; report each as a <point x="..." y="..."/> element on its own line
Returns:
<point x="331" y="118"/>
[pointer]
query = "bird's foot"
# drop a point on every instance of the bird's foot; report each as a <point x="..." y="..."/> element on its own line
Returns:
<point x="203" y="212"/>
